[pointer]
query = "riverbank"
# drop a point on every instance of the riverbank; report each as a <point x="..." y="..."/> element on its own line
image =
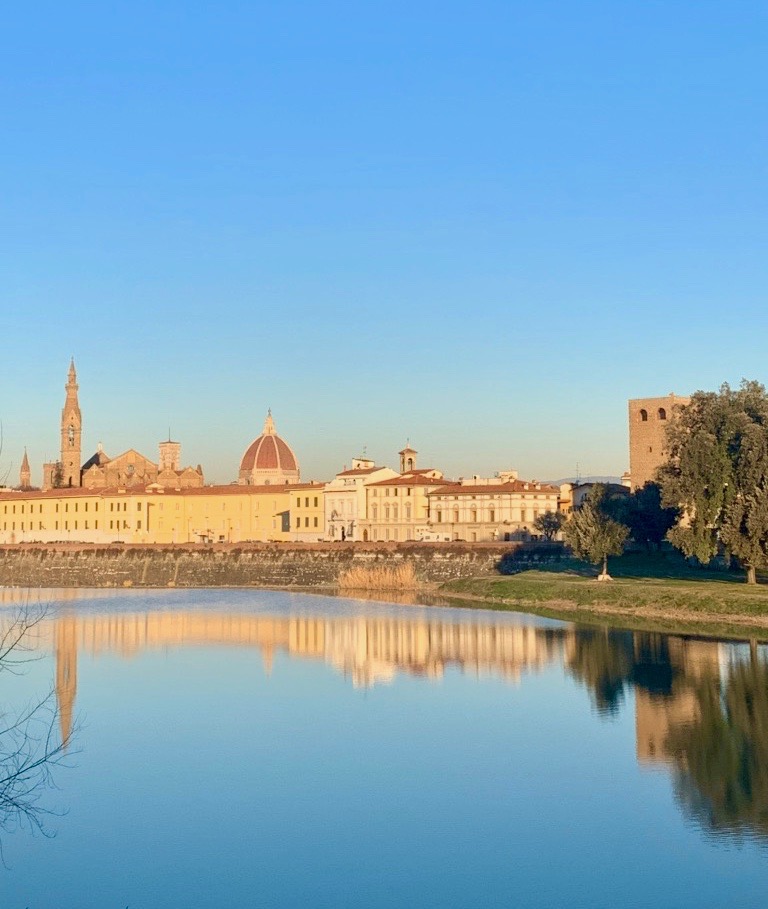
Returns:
<point x="722" y="606"/>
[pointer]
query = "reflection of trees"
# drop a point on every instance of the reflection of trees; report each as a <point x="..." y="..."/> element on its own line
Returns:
<point x="29" y="744"/>
<point x="722" y="777"/>
<point x="602" y="660"/>
<point x="608" y="661"/>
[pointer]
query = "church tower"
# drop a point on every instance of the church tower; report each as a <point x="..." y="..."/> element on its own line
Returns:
<point x="25" y="474"/>
<point x="71" y="432"/>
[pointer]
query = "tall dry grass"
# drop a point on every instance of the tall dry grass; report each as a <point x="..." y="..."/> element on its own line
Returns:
<point x="379" y="577"/>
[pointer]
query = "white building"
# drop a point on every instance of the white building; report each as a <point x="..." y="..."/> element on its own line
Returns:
<point x="345" y="498"/>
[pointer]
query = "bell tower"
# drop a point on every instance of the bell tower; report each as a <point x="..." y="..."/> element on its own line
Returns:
<point x="71" y="432"/>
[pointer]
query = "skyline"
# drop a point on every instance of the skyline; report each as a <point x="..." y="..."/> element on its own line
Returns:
<point x="484" y="230"/>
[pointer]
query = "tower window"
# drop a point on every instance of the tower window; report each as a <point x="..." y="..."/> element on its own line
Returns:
<point x="643" y="416"/>
<point x="662" y="414"/>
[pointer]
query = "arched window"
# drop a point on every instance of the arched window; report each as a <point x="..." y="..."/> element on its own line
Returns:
<point x="643" y="416"/>
<point x="386" y="512"/>
<point x="662" y="414"/>
<point x="408" y="512"/>
<point x="394" y="512"/>
<point x="375" y="512"/>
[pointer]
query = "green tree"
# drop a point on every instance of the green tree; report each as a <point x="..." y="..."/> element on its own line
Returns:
<point x="643" y="513"/>
<point x="549" y="523"/>
<point x="718" y="474"/>
<point x="591" y="534"/>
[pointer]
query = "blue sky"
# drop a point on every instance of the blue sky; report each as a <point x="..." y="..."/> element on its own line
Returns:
<point x="480" y="226"/>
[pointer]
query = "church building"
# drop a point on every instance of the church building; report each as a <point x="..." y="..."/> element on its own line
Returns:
<point x="99" y="471"/>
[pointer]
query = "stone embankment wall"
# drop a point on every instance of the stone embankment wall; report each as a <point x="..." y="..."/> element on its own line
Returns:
<point x="238" y="565"/>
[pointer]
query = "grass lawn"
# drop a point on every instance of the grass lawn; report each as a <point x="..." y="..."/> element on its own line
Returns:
<point x="660" y="588"/>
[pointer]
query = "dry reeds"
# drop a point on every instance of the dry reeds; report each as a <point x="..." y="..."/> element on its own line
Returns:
<point x="379" y="577"/>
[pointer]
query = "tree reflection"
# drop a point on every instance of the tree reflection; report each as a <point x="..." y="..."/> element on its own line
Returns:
<point x="722" y="757"/>
<point x="602" y="660"/>
<point x="30" y="746"/>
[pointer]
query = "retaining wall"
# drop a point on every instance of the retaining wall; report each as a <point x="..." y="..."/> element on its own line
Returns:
<point x="237" y="565"/>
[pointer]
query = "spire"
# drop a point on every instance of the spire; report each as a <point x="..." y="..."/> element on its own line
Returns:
<point x="269" y="424"/>
<point x="25" y="474"/>
<point x="72" y="375"/>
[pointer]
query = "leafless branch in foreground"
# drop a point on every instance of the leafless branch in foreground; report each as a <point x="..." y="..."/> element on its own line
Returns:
<point x="30" y="744"/>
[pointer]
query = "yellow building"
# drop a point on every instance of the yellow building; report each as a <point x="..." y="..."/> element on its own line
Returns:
<point x="154" y="514"/>
<point x="307" y="512"/>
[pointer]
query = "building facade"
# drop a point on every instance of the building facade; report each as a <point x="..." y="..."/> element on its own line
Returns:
<point x="346" y="505"/>
<point x="155" y="514"/>
<point x="481" y="509"/>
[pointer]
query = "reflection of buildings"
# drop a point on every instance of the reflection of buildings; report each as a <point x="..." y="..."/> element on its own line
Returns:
<point x="367" y="649"/>
<point x="657" y="714"/>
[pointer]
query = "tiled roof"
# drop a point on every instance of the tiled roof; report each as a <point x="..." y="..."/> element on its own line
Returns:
<point x="515" y="487"/>
<point x="359" y="471"/>
<point x="232" y="489"/>
<point x="413" y="479"/>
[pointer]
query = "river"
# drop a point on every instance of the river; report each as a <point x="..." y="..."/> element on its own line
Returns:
<point x="269" y="749"/>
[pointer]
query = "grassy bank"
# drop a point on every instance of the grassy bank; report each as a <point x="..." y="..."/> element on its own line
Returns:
<point x="660" y="592"/>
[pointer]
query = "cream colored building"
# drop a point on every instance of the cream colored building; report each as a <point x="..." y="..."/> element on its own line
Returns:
<point x="346" y="505"/>
<point x="398" y="508"/>
<point x="481" y="509"/>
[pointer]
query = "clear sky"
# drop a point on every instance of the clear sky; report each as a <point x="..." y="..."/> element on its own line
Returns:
<point x="481" y="226"/>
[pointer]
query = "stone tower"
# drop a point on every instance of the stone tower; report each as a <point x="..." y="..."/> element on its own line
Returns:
<point x="25" y="474"/>
<point x="407" y="459"/>
<point x="170" y="455"/>
<point x="71" y="432"/>
<point x="648" y="421"/>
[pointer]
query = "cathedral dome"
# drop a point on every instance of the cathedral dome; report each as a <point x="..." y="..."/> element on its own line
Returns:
<point x="268" y="459"/>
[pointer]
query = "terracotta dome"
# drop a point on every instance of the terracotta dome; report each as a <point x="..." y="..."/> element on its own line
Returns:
<point x="269" y="459"/>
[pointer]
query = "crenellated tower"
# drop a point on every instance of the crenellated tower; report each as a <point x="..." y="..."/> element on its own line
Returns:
<point x="71" y="432"/>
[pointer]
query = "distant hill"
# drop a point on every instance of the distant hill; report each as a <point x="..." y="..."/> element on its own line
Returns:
<point x="616" y="480"/>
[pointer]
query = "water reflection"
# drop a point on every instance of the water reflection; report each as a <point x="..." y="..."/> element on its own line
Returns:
<point x="701" y="706"/>
<point x="29" y="745"/>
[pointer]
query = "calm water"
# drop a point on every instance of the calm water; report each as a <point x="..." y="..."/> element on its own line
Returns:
<point x="254" y="748"/>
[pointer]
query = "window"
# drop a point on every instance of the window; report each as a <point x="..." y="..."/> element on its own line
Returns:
<point x="643" y="416"/>
<point x="298" y="523"/>
<point x="138" y="525"/>
<point x="315" y="501"/>
<point x="492" y="515"/>
<point x="439" y="516"/>
<point x="374" y="512"/>
<point x="306" y="522"/>
<point x="662" y="414"/>
<point x="138" y="506"/>
<point x="455" y="515"/>
<point x="316" y="524"/>
<point x="474" y="516"/>
<point x="306" y="502"/>
<point x="394" y="513"/>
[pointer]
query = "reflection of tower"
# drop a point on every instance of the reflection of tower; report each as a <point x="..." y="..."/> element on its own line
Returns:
<point x="66" y="672"/>
<point x="71" y="432"/>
